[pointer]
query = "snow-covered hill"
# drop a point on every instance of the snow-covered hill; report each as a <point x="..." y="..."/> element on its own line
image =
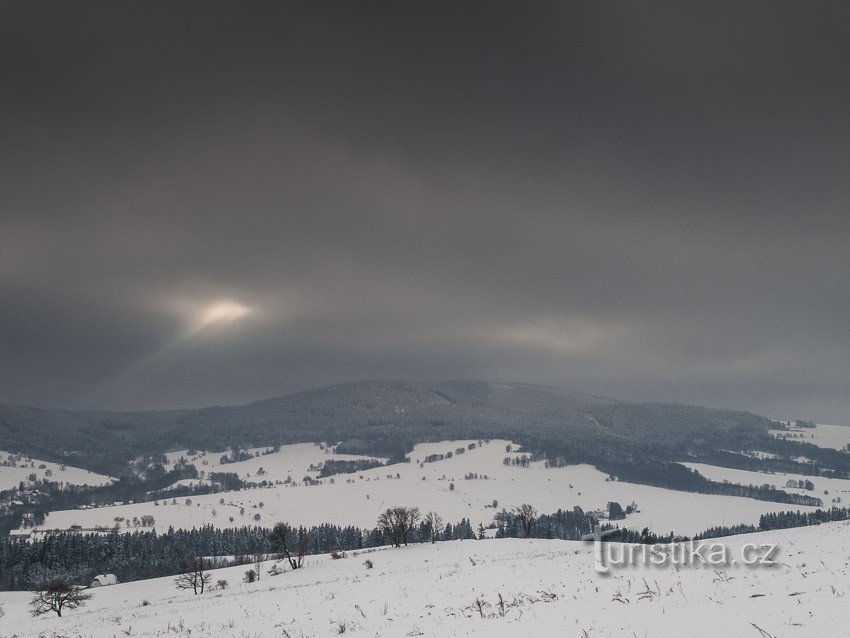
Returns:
<point x="827" y="489"/>
<point x="836" y="437"/>
<point x="547" y="588"/>
<point x="15" y="468"/>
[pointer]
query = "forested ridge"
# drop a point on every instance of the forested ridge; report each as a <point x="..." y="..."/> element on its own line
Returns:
<point x="384" y="418"/>
<point x="639" y="442"/>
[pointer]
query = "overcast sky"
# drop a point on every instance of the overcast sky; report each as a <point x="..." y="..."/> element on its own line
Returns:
<point x="214" y="203"/>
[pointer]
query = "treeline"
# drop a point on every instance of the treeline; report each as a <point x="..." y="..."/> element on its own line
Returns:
<point x="78" y="557"/>
<point x="563" y="524"/>
<point x="786" y="520"/>
<point x="130" y="556"/>
<point x="332" y="467"/>
<point x="781" y="520"/>
<point x="793" y="457"/>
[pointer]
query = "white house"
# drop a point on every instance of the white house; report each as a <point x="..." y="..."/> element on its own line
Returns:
<point x="103" y="580"/>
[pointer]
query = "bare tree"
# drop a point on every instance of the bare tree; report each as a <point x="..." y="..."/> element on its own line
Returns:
<point x="527" y="516"/>
<point x="304" y="540"/>
<point x="397" y="523"/>
<point x="56" y="595"/>
<point x="258" y="563"/>
<point x="293" y="550"/>
<point x="435" y="525"/>
<point x="411" y="519"/>
<point x="195" y="578"/>
<point x="387" y="525"/>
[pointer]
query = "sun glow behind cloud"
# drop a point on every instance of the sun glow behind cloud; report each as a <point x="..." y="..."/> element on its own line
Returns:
<point x="218" y="313"/>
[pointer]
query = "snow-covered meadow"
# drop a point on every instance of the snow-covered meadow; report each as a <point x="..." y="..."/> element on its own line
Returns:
<point x="15" y="468"/>
<point x="546" y="588"/>
<point x="824" y="488"/>
<point x="836" y="437"/>
<point x="441" y="485"/>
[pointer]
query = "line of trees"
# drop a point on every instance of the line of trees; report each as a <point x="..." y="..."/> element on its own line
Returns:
<point x="71" y="558"/>
<point x="77" y="558"/>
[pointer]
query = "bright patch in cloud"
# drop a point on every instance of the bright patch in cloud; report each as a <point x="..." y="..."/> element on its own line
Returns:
<point x="559" y="335"/>
<point x="220" y="313"/>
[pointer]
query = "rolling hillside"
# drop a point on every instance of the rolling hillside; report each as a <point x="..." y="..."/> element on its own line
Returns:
<point x="492" y="588"/>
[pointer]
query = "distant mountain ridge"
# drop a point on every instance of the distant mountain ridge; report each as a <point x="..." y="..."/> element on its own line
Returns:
<point x="383" y="417"/>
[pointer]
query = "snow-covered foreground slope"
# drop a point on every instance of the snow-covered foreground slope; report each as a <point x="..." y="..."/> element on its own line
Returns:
<point x="549" y="588"/>
<point x="357" y="499"/>
<point x="16" y="468"/>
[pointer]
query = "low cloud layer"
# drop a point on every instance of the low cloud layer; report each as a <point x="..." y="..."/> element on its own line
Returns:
<point x="217" y="203"/>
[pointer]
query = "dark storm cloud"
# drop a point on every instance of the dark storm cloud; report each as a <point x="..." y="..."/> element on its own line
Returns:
<point x="647" y="201"/>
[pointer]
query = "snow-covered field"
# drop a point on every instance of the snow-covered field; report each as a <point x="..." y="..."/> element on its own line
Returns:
<point x="549" y="588"/>
<point x="16" y="468"/>
<point x="290" y="461"/>
<point x="836" y="437"/>
<point x="357" y="499"/>
<point x="839" y="488"/>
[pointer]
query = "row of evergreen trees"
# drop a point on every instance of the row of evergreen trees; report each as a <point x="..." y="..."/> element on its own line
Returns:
<point x="782" y="520"/>
<point x="139" y="555"/>
<point x="564" y="525"/>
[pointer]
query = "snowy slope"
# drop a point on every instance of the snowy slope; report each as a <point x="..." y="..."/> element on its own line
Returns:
<point x="358" y="498"/>
<point x="836" y="437"/>
<point x="549" y="588"/>
<point x="291" y="461"/>
<point x="25" y="466"/>
<point x="825" y="488"/>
